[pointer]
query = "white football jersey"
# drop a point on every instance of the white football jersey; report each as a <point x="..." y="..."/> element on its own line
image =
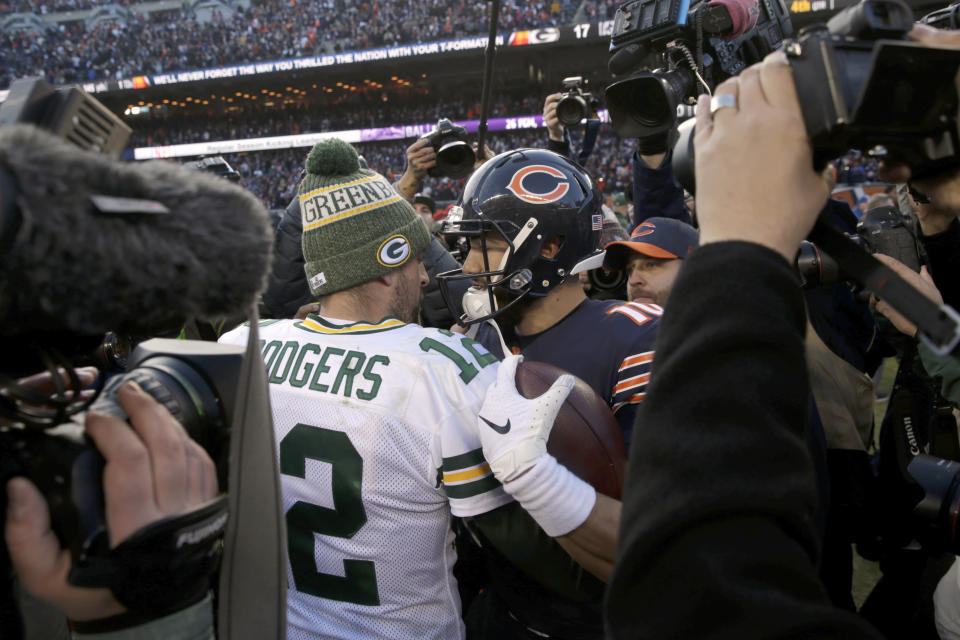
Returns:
<point x="377" y="435"/>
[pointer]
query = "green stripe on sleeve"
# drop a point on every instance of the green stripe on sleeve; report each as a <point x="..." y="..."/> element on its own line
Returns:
<point x="471" y="489"/>
<point x="464" y="460"/>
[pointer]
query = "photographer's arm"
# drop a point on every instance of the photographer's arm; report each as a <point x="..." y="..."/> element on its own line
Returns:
<point x="718" y="537"/>
<point x="153" y="471"/>
<point x="655" y="190"/>
<point x="946" y="366"/>
<point x="420" y="158"/>
<point x="557" y="138"/>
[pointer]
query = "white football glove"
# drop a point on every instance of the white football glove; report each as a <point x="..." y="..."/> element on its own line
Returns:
<point x="513" y="429"/>
<point x="514" y="432"/>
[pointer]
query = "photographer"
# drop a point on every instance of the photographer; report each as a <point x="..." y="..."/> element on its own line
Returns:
<point x="733" y="553"/>
<point x="153" y="471"/>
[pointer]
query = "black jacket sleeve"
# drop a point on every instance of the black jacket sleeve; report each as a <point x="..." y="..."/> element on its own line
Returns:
<point x="718" y="537"/>
<point x="656" y="192"/>
<point x="433" y="310"/>
<point x="562" y="147"/>
<point x="943" y="249"/>
<point x="287" y="288"/>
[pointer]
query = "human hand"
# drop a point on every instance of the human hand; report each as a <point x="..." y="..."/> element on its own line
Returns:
<point x="513" y="429"/>
<point x="943" y="190"/>
<point x="420" y="158"/>
<point x="922" y="282"/>
<point x="481" y="157"/>
<point x="754" y="163"/>
<point x="153" y="471"/>
<point x="550" y="120"/>
<point x="34" y="390"/>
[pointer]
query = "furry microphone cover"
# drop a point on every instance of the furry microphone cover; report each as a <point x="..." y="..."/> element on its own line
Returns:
<point x="71" y="267"/>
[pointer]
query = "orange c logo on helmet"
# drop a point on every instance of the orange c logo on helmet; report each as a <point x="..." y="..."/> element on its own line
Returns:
<point x="516" y="185"/>
<point x="643" y="229"/>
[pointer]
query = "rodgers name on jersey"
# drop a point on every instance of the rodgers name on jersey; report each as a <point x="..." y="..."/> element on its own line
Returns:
<point x="378" y="446"/>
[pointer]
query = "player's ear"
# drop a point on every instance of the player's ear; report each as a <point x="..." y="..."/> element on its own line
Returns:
<point x="551" y="247"/>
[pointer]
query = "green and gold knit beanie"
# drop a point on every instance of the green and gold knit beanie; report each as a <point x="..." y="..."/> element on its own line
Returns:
<point x="356" y="227"/>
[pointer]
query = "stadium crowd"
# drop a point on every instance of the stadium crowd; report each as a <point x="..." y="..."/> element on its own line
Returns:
<point x="45" y="7"/>
<point x="256" y="119"/>
<point x="267" y="30"/>
<point x="273" y="176"/>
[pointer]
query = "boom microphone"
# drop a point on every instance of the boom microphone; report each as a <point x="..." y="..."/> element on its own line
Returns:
<point x="90" y="245"/>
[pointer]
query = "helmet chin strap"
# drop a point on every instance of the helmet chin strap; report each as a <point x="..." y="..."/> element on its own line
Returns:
<point x="476" y="303"/>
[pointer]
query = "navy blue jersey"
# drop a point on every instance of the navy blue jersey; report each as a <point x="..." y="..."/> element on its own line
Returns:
<point x="606" y="343"/>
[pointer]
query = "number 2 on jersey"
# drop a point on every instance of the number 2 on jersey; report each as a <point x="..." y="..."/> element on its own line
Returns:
<point x="358" y="585"/>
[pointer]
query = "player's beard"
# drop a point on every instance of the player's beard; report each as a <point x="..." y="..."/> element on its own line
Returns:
<point x="405" y="305"/>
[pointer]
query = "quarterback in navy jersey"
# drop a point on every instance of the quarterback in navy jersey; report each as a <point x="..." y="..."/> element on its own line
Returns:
<point x="533" y="219"/>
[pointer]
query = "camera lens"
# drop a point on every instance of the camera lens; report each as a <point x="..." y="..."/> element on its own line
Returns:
<point x="938" y="508"/>
<point x="646" y="103"/>
<point x="455" y="159"/>
<point x="571" y="109"/>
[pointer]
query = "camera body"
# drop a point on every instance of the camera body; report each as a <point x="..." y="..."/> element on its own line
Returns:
<point x="196" y="381"/>
<point x="575" y="104"/>
<point x="455" y="157"/>
<point x="675" y="49"/>
<point x="881" y="230"/>
<point x="863" y="85"/>
<point x="217" y="165"/>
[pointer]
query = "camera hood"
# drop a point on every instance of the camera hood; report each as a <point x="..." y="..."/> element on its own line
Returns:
<point x="645" y="104"/>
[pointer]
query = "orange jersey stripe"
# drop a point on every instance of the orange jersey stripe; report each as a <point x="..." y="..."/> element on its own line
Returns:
<point x="633" y="361"/>
<point x="631" y="382"/>
<point x="630" y="400"/>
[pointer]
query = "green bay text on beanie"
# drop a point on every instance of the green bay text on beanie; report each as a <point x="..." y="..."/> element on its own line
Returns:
<point x="356" y="227"/>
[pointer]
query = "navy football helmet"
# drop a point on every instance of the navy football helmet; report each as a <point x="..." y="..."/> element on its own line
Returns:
<point x="527" y="197"/>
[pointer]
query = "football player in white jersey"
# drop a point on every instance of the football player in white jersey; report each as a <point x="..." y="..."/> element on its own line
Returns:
<point x="376" y="423"/>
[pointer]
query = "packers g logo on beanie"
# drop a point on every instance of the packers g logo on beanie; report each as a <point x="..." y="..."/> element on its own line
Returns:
<point x="394" y="251"/>
<point x="356" y="227"/>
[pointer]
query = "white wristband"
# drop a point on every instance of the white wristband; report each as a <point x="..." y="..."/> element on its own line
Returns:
<point x="556" y="498"/>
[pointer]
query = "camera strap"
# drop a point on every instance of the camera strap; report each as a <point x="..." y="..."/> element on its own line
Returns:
<point x="253" y="577"/>
<point x="939" y="325"/>
<point x="590" y="131"/>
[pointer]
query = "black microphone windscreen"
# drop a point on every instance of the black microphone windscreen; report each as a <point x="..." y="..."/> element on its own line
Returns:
<point x="72" y="267"/>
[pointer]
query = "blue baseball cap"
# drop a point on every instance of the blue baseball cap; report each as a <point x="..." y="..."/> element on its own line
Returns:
<point x="663" y="238"/>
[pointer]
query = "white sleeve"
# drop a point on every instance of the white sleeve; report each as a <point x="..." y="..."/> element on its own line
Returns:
<point x="462" y="472"/>
<point x="946" y="604"/>
<point x="237" y="336"/>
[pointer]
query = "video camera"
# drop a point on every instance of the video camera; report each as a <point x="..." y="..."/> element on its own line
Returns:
<point x="455" y="157"/>
<point x="195" y="380"/>
<point x="862" y="84"/>
<point x="92" y="245"/>
<point x="677" y="49"/>
<point x="575" y="104"/>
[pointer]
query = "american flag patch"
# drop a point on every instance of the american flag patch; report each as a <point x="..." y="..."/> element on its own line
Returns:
<point x="597" y="222"/>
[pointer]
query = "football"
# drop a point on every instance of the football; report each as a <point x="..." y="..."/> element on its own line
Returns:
<point x="585" y="437"/>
